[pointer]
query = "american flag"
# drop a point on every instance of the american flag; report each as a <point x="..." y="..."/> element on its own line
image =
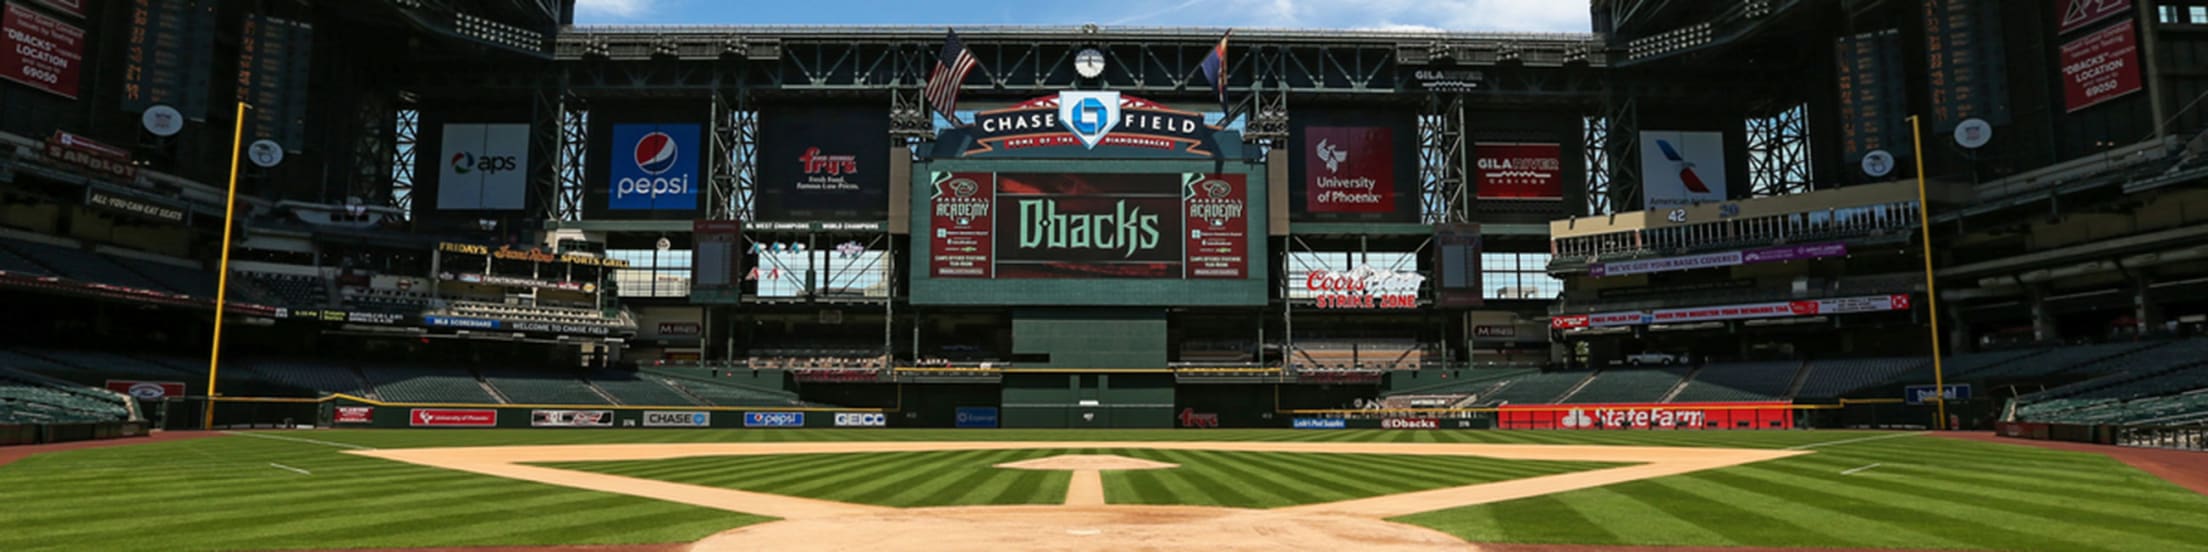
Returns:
<point x="950" y="70"/>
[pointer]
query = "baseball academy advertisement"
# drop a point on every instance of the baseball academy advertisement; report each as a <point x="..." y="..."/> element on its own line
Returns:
<point x="655" y="167"/>
<point x="1057" y="225"/>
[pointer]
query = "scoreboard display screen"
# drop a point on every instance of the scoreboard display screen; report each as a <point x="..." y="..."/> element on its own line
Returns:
<point x="1089" y="226"/>
<point x="273" y="60"/>
<point x="167" y="55"/>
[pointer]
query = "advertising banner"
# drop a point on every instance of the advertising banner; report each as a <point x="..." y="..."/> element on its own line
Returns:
<point x="1365" y="288"/>
<point x="353" y="415"/>
<point x="1520" y="171"/>
<point x="1679" y="168"/>
<point x="655" y="167"/>
<point x="1218" y="225"/>
<point x="133" y="206"/>
<point x="1349" y="170"/>
<point x="677" y="419"/>
<point x="1965" y="61"/>
<point x="451" y="417"/>
<point x="2072" y="15"/>
<point x="1782" y="309"/>
<point x="959" y="206"/>
<point x="571" y="418"/>
<point x="40" y="51"/>
<point x="1721" y="415"/>
<point x="462" y="323"/>
<point x="1730" y="258"/>
<point x="148" y="390"/>
<point x="2100" y="67"/>
<point x="484" y="167"/>
<point x="1920" y="394"/>
<point x="1088" y="226"/>
<point x="1321" y="423"/>
<point x="861" y="419"/>
<point x="774" y="419"/>
<point x="1457" y="265"/>
<point x="823" y="163"/>
<point x="93" y="156"/>
<point x="1085" y="121"/>
<point x="976" y="417"/>
<point x="1189" y="417"/>
<point x="1872" y="100"/>
<point x="1410" y="423"/>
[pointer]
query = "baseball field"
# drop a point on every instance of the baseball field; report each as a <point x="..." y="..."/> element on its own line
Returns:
<point x="1021" y="489"/>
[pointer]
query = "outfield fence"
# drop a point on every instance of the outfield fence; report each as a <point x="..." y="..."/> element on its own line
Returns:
<point x="2188" y="437"/>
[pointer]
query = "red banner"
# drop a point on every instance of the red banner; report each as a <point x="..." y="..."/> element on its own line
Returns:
<point x="99" y="158"/>
<point x="445" y="417"/>
<point x="2100" y="67"/>
<point x="1349" y="170"/>
<point x="960" y="211"/>
<point x="1723" y="415"/>
<point x="40" y="51"/>
<point x="147" y="390"/>
<point x="353" y="415"/>
<point x="2076" y="14"/>
<point x="1520" y="171"/>
<point x="1218" y="226"/>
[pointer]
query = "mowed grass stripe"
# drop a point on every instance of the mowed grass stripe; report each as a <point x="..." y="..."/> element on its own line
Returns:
<point x="2013" y="508"/>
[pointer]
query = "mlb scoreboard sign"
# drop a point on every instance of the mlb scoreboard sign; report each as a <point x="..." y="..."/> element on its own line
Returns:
<point x="1055" y="225"/>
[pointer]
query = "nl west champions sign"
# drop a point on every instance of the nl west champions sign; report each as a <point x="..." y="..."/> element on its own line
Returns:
<point x="655" y="167"/>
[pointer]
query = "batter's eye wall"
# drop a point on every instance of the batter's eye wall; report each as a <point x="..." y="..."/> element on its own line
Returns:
<point x="1249" y="290"/>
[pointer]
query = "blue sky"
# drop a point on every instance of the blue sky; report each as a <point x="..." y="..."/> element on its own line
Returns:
<point x="1452" y="15"/>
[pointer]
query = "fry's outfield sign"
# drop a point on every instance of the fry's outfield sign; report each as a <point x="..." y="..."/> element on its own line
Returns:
<point x="1365" y="288"/>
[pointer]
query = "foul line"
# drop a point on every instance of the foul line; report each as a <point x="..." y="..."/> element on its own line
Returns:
<point x="1855" y="440"/>
<point x="299" y="440"/>
<point x="1859" y="469"/>
<point x="289" y="469"/>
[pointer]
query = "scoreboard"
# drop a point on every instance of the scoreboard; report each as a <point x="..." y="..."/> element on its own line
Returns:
<point x="273" y="62"/>
<point x="1965" y="63"/>
<point x="167" y="55"/>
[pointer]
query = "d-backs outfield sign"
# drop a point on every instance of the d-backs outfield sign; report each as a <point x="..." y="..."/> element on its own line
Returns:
<point x="1034" y="225"/>
<point x="1090" y="119"/>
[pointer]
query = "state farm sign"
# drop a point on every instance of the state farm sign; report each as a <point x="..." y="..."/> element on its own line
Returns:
<point x="1740" y="415"/>
<point x="1365" y="288"/>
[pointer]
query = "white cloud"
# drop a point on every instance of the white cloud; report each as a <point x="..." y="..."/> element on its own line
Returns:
<point x="611" y="9"/>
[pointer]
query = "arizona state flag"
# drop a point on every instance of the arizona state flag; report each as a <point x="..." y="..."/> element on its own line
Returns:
<point x="1215" y="68"/>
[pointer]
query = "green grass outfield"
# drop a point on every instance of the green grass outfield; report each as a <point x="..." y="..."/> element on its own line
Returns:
<point x="963" y="478"/>
<point x="224" y="493"/>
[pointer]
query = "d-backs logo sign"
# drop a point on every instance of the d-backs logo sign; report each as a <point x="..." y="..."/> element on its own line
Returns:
<point x="1089" y="119"/>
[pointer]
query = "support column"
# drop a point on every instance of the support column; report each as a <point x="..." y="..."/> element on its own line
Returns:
<point x="2043" y="323"/>
<point x="2147" y="312"/>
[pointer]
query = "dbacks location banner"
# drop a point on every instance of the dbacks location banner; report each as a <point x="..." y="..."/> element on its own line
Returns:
<point x="40" y="51"/>
<point x="1350" y="170"/>
<point x="1035" y="225"/>
<point x="2100" y="67"/>
<point x="1520" y="171"/>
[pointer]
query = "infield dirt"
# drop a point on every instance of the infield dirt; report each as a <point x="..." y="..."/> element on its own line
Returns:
<point x="1084" y="523"/>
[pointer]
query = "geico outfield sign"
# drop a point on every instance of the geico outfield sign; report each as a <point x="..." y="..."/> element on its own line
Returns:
<point x="861" y="419"/>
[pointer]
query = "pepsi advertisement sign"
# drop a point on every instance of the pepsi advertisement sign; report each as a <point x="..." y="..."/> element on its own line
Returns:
<point x="654" y="167"/>
<point x="774" y="419"/>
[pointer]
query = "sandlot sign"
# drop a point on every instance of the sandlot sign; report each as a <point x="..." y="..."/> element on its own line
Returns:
<point x="1734" y="415"/>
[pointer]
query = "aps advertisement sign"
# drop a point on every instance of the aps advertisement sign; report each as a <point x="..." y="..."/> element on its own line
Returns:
<point x="484" y="166"/>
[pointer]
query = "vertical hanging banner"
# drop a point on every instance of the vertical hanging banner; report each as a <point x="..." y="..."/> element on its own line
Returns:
<point x="1457" y="265"/>
<point x="1965" y="62"/>
<point x="2100" y="67"/>
<point x="1349" y="170"/>
<point x="1218" y="225"/>
<point x="1871" y="96"/>
<point x="167" y="55"/>
<point x="1520" y="171"/>
<point x="717" y="267"/>
<point x="40" y="51"/>
<point x="960" y="211"/>
<point x="273" y="65"/>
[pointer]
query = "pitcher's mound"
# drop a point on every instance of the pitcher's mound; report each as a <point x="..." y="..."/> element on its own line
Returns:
<point x="1077" y="462"/>
<point x="1099" y="528"/>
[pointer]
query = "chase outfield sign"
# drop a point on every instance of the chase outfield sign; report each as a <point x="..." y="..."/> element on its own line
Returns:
<point x="1087" y="120"/>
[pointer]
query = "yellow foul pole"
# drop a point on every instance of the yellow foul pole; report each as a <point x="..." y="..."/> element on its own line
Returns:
<point x="1931" y="293"/>
<point x="222" y="270"/>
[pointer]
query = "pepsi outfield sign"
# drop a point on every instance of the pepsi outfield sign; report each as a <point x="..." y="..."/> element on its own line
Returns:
<point x="654" y="167"/>
<point x="774" y="419"/>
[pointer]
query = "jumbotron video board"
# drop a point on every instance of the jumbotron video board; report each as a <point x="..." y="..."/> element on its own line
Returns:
<point x="1110" y="226"/>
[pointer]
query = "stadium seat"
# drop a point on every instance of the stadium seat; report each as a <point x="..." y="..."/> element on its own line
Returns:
<point x="1628" y="386"/>
<point x="1740" y="381"/>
